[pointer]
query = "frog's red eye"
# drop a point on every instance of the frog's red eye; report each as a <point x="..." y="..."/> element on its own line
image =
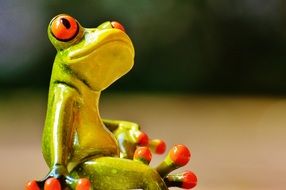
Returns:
<point x="117" y="25"/>
<point x="64" y="27"/>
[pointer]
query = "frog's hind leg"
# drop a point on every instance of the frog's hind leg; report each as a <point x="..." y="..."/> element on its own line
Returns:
<point x="178" y="156"/>
<point x="120" y="174"/>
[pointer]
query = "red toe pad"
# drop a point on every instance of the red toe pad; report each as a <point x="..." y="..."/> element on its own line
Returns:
<point x="180" y="155"/>
<point x="143" y="139"/>
<point x="32" y="185"/>
<point x="83" y="184"/>
<point x="189" y="180"/>
<point x="161" y="147"/>
<point x="143" y="154"/>
<point x="52" y="184"/>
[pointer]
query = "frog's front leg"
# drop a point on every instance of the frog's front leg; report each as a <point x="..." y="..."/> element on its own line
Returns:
<point x="59" y="127"/>
<point x="129" y="136"/>
<point x="58" y="135"/>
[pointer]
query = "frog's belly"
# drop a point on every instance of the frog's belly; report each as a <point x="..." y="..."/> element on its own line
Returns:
<point x="92" y="141"/>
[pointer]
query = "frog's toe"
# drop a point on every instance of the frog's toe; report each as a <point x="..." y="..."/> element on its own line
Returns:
<point x="52" y="184"/>
<point x="46" y="184"/>
<point x="186" y="180"/>
<point x="142" y="138"/>
<point x="32" y="185"/>
<point x="61" y="183"/>
<point x="143" y="155"/>
<point x="177" y="157"/>
<point x="157" y="146"/>
<point x="83" y="184"/>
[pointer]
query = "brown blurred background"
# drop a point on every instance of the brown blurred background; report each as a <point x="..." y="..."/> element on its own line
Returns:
<point x="236" y="142"/>
<point x="209" y="74"/>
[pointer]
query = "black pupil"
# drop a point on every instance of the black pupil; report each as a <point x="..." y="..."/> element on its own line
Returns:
<point x="66" y="23"/>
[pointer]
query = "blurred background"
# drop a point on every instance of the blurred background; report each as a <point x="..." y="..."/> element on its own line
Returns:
<point x="210" y="73"/>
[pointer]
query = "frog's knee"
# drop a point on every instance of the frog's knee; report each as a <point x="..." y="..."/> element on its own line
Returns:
<point x="153" y="181"/>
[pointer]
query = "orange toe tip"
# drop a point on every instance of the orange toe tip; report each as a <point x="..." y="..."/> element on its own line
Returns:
<point x="180" y="155"/>
<point x="32" y="185"/>
<point x="83" y="184"/>
<point x="143" y="139"/>
<point x="189" y="180"/>
<point x="143" y="153"/>
<point x="52" y="184"/>
<point x="161" y="147"/>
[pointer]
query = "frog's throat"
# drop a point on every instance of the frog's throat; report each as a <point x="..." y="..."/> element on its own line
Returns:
<point x="79" y="78"/>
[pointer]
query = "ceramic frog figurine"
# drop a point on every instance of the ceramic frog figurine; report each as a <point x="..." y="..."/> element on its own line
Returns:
<point x="82" y="150"/>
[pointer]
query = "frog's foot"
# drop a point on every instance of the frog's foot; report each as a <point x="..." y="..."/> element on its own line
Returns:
<point x="62" y="183"/>
<point x="157" y="146"/>
<point x="129" y="140"/>
<point x="46" y="184"/>
<point x="177" y="157"/>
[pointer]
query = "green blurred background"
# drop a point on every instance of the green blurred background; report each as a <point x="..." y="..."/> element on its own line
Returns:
<point x="191" y="46"/>
<point x="208" y="74"/>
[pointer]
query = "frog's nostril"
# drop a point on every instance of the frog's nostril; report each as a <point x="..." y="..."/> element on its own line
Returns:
<point x="117" y="25"/>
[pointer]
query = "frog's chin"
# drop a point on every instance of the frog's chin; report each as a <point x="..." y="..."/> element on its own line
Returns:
<point x="94" y="40"/>
<point x="89" y="50"/>
<point x="103" y="62"/>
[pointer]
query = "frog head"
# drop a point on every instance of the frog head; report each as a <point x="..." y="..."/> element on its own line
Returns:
<point x="96" y="56"/>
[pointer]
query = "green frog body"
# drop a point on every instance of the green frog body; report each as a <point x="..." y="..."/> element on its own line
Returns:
<point x="77" y="143"/>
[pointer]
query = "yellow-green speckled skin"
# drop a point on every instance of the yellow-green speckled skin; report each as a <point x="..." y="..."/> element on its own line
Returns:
<point x="76" y="141"/>
<point x="117" y="173"/>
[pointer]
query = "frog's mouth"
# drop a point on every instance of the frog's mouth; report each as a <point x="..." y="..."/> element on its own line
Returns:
<point x="94" y="40"/>
<point x="101" y="57"/>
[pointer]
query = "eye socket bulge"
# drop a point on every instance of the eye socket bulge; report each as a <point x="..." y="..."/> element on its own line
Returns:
<point x="64" y="28"/>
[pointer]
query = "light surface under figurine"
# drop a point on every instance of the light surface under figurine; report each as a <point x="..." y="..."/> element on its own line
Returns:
<point x="82" y="150"/>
